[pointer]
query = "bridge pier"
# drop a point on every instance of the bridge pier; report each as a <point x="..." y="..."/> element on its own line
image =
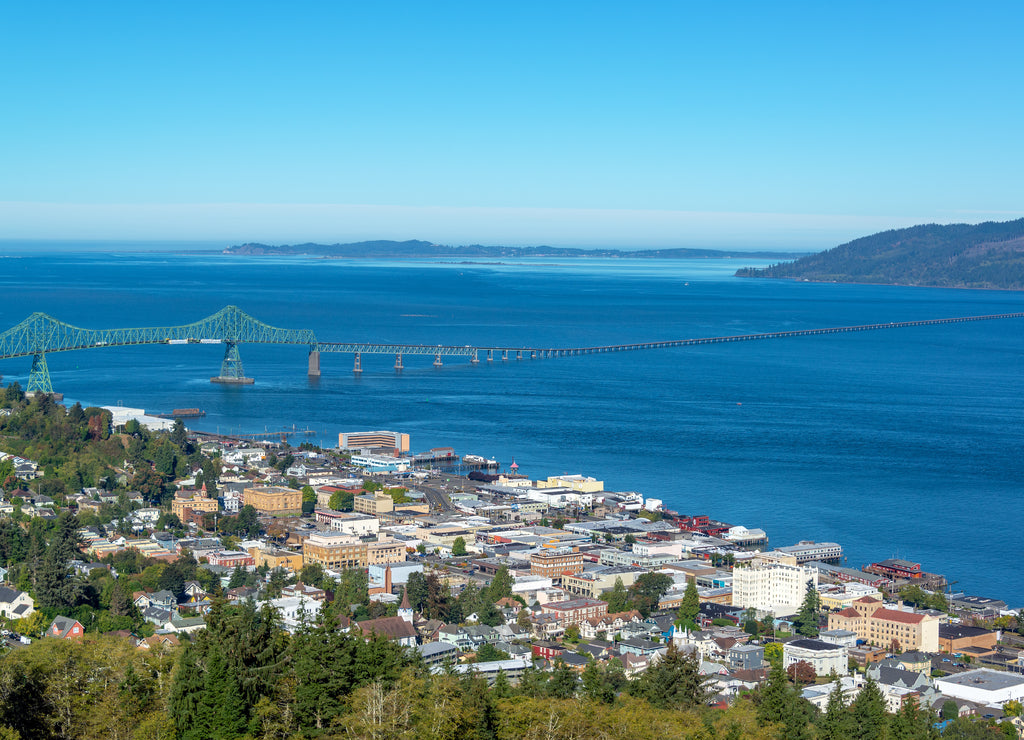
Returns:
<point x="314" y="364"/>
<point x="358" y="368"/>
<point x="231" y="371"/>
<point x="504" y="355"/>
<point x="474" y="360"/>
<point x="519" y="354"/>
<point x="398" y="362"/>
<point x="39" y="375"/>
<point x="437" y="360"/>
<point x="490" y="355"/>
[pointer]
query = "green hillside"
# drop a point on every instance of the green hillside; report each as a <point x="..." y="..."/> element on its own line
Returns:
<point x="987" y="255"/>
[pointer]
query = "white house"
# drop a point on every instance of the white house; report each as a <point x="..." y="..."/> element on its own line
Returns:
<point x="15" y="604"/>
<point x="824" y="657"/>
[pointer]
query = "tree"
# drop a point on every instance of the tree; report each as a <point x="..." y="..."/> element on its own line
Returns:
<point x="487" y="652"/>
<point x="808" y="618"/>
<point x="801" y="672"/>
<point x="835" y="724"/>
<point x="778" y="703"/>
<point x="647" y="591"/>
<point x="686" y="617"/>
<point x="617" y="597"/>
<point x="308" y="494"/>
<point x="773" y="654"/>
<point x="341" y="501"/>
<point x="868" y="712"/>
<point x="501" y="585"/>
<point x="459" y="547"/>
<point x="674" y="682"/>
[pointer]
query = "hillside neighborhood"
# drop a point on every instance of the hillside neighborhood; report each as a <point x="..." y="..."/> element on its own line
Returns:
<point x="492" y="573"/>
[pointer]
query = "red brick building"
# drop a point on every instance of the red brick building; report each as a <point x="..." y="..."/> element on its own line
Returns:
<point x="575" y="611"/>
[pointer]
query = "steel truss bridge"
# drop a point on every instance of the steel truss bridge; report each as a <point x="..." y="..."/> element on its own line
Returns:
<point x="40" y="334"/>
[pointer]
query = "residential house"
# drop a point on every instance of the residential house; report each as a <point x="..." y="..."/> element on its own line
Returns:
<point x="65" y="628"/>
<point x="15" y="604"/>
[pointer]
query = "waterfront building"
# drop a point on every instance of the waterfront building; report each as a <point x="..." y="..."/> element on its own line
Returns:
<point x="896" y="569"/>
<point x="380" y="464"/>
<point x="807" y="551"/>
<point x="578" y="483"/>
<point x="274" y="500"/>
<point x="374" y="441"/>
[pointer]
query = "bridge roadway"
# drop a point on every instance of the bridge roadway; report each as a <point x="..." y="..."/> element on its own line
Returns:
<point x="39" y="334"/>
<point x="519" y="353"/>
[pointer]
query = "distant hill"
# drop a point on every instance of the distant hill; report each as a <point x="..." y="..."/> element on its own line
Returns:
<point x="988" y="255"/>
<point x="415" y="249"/>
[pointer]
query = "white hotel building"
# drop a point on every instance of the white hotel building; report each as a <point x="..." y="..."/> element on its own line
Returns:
<point x="772" y="583"/>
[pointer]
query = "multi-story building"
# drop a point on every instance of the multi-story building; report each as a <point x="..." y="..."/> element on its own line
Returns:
<point x="274" y="500"/>
<point x="773" y="583"/>
<point x="196" y="501"/>
<point x="824" y="657"/>
<point x="384" y="551"/>
<point x="593" y="584"/>
<point x="877" y="625"/>
<point x="360" y="525"/>
<point x="553" y="563"/>
<point x="575" y="611"/>
<point x="373" y="504"/>
<point x="895" y="568"/>
<point x="230" y="558"/>
<point x="374" y="441"/>
<point x="807" y="551"/>
<point x="334" y="550"/>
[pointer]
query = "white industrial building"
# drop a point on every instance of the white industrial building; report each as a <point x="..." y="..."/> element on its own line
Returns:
<point x="983" y="686"/>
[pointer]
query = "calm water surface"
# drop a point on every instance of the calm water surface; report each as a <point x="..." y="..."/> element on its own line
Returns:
<point x="903" y="443"/>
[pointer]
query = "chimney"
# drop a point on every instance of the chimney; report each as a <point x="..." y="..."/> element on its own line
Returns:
<point x="387" y="579"/>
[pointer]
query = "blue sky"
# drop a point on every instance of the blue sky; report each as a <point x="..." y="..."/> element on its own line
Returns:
<point x="580" y="124"/>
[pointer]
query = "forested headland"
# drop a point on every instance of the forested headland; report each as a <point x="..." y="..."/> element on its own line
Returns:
<point x="987" y="255"/>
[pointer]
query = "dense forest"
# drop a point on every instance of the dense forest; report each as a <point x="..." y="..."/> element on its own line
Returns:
<point x="987" y="255"/>
<point x="417" y="249"/>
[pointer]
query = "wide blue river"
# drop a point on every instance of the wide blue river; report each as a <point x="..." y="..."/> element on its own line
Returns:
<point x="904" y="442"/>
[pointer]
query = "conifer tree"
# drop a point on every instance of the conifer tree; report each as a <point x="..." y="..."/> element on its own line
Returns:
<point x="868" y="712"/>
<point x="835" y="724"/>
<point x="807" y="619"/>
<point x="686" y="617"/>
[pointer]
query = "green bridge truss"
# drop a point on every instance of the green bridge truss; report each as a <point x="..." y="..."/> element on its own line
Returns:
<point x="39" y="334"/>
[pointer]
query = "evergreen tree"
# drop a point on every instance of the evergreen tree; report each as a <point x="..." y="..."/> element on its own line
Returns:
<point x="868" y="712"/>
<point x="808" y="618"/>
<point x="686" y="617"/>
<point x="617" y="598"/>
<point x="674" y="682"/>
<point x="562" y="683"/>
<point x="912" y="722"/>
<point x="835" y="723"/>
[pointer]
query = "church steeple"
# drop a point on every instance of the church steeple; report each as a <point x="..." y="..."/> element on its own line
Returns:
<point x="405" y="608"/>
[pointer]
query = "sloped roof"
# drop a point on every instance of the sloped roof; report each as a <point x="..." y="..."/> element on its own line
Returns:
<point x="394" y="628"/>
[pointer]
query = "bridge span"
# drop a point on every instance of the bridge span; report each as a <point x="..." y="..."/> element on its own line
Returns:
<point x="40" y="334"/>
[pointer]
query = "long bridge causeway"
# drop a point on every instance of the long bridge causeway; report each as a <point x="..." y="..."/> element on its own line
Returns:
<point x="40" y="334"/>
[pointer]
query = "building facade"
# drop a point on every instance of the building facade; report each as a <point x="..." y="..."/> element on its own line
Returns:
<point x="274" y="500"/>
<point x="772" y="585"/>
<point x="334" y="550"/>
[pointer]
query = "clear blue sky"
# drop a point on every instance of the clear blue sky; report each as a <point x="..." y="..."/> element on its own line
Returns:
<point x="652" y="124"/>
